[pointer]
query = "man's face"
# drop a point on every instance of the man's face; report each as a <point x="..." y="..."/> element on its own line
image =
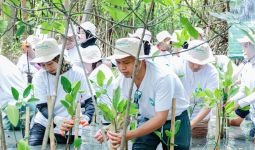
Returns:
<point x="70" y="42"/>
<point x="195" y="67"/>
<point x="50" y="66"/>
<point x="126" y="65"/>
<point x="248" y="50"/>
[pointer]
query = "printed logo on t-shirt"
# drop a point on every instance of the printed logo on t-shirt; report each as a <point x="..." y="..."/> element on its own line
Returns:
<point x="152" y="102"/>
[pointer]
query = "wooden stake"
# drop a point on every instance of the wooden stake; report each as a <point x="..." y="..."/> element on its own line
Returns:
<point x="77" y="120"/>
<point x="27" y="127"/>
<point x="218" y="124"/>
<point x="52" y="138"/>
<point x="172" y="123"/>
<point x="2" y="135"/>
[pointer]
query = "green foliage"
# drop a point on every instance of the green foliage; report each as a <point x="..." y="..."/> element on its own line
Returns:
<point x="27" y="91"/>
<point x="188" y="26"/>
<point x="77" y="142"/>
<point x="6" y="9"/>
<point x="229" y="107"/>
<point x="12" y="114"/>
<point x="15" y="93"/>
<point x="71" y="93"/>
<point x="116" y="13"/>
<point x="116" y="98"/>
<point x="67" y="86"/>
<point x="23" y="145"/>
<point x="3" y="26"/>
<point x="100" y="78"/>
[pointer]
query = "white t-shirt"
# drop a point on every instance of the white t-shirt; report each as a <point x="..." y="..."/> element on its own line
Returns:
<point x="10" y="76"/>
<point x="158" y="87"/>
<point x="23" y="66"/>
<point x="44" y="87"/>
<point x="206" y="78"/>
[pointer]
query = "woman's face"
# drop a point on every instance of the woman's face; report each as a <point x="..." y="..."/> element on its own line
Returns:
<point x="248" y="50"/>
<point x="82" y="36"/>
<point x="50" y="66"/>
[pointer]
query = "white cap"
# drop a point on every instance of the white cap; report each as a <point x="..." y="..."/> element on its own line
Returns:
<point x="246" y="39"/>
<point x="138" y="34"/>
<point x="46" y="50"/>
<point x="128" y="47"/>
<point x="33" y="40"/>
<point x="70" y="32"/>
<point x="200" y="55"/>
<point x="89" y="26"/>
<point x="91" y="54"/>
<point x="161" y="36"/>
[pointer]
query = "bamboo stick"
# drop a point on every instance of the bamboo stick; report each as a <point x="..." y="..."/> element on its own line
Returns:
<point x="52" y="138"/>
<point x="217" y="136"/>
<point x="2" y="135"/>
<point x="77" y="120"/>
<point x="172" y="123"/>
<point x="27" y="127"/>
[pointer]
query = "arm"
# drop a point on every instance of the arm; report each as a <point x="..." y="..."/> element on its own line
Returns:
<point x="247" y="100"/>
<point x="201" y="115"/>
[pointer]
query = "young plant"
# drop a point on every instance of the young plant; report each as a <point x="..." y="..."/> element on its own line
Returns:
<point x="116" y="112"/>
<point x="70" y="104"/>
<point x="16" y="111"/>
<point x="169" y="134"/>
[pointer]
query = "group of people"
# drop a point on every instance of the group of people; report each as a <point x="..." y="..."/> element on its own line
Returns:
<point x="160" y="78"/>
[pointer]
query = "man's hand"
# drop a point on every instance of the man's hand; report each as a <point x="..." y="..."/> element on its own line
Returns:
<point x="115" y="139"/>
<point x="99" y="136"/>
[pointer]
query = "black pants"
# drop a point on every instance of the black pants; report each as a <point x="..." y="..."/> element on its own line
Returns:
<point x="37" y="134"/>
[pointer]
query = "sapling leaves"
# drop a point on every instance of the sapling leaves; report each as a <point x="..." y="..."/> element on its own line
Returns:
<point x="77" y="142"/>
<point x="12" y="114"/>
<point x="100" y="78"/>
<point x="108" y="114"/>
<point x="23" y="145"/>
<point x="116" y="98"/>
<point x="229" y="107"/>
<point x="67" y="86"/>
<point x="15" y="93"/>
<point x="27" y="91"/>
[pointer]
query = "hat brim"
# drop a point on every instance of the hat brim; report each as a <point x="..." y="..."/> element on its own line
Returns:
<point x="44" y="59"/>
<point x="91" y="60"/>
<point x="244" y="40"/>
<point x="197" y="61"/>
<point x="145" y="38"/>
<point x="117" y="56"/>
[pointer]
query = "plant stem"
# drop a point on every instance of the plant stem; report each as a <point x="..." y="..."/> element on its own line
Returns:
<point x="77" y="120"/>
<point x="2" y="135"/>
<point x="27" y="123"/>
<point x="14" y="133"/>
<point x="172" y="124"/>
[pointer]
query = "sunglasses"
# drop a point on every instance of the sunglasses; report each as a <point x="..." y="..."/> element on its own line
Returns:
<point x="137" y="97"/>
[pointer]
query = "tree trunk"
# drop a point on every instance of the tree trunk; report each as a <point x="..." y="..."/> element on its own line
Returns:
<point x="88" y="9"/>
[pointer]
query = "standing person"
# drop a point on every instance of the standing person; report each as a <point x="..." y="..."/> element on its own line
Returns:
<point x="247" y="81"/>
<point x="93" y="57"/>
<point x="146" y="39"/>
<point x="87" y="34"/>
<point x="153" y="91"/>
<point x="164" y="47"/>
<point x="27" y="69"/>
<point x="9" y="77"/>
<point x="47" y="54"/>
<point x="198" y="74"/>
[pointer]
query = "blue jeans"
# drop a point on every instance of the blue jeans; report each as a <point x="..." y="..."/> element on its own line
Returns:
<point x="151" y="141"/>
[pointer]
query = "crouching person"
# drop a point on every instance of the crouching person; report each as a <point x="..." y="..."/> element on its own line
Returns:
<point x="153" y="91"/>
<point x="47" y="55"/>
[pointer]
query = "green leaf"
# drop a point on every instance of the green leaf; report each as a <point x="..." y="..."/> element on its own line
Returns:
<point x="100" y="78"/>
<point x="132" y="126"/>
<point x="133" y="110"/>
<point x="32" y="100"/>
<point x="168" y="133"/>
<point x="98" y="94"/>
<point x="46" y="28"/>
<point x="21" y="29"/>
<point x="12" y="114"/>
<point x="188" y="26"/>
<point x="15" y="93"/>
<point x="233" y="91"/>
<point x="19" y="105"/>
<point x="77" y="142"/>
<point x="69" y="98"/>
<point x="76" y="88"/>
<point x="71" y="111"/>
<point x="27" y="91"/>
<point x="59" y="27"/>
<point x="67" y="86"/>
<point x="6" y="10"/>
<point x="158" y="134"/>
<point x="109" y="81"/>
<point x="122" y="106"/>
<point x="116" y="98"/>
<point x="247" y="91"/>
<point x="108" y="114"/>
<point x="209" y="93"/>
<point x="147" y="1"/>
<point x="177" y="126"/>
<point x="228" y="74"/>
<point x="229" y="107"/>
<point x="246" y="108"/>
<point x="23" y="145"/>
<point x="16" y="2"/>
<point x="65" y="104"/>
<point x="116" y="14"/>
<point x="120" y="3"/>
<point x="3" y="26"/>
